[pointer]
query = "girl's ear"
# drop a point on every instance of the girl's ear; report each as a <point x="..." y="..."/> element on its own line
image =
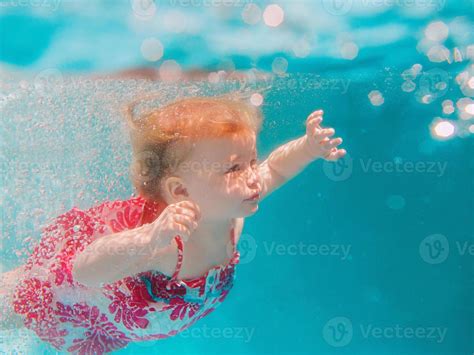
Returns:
<point x="174" y="190"/>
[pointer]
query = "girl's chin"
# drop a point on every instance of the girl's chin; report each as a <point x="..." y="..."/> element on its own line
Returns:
<point x="251" y="207"/>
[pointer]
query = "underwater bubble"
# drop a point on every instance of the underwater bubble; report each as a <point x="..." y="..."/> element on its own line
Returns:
<point x="437" y="31"/>
<point x="273" y="15"/>
<point x="251" y="14"/>
<point x="170" y="71"/>
<point x="448" y="107"/>
<point x="466" y="107"/>
<point x="175" y="21"/>
<point x="470" y="83"/>
<point x="417" y="68"/>
<point x="349" y="50"/>
<point x="427" y="99"/>
<point x="469" y="109"/>
<point x="256" y="99"/>
<point x="447" y="103"/>
<point x="280" y="65"/>
<point x="438" y="54"/>
<point x="471" y="128"/>
<point x="448" y="110"/>
<point x="409" y="74"/>
<point x="301" y="48"/>
<point x="457" y="55"/>
<point x="395" y="202"/>
<point x="442" y="129"/>
<point x="213" y="78"/>
<point x="408" y="86"/>
<point x="376" y="98"/>
<point x="152" y="49"/>
<point x="143" y="9"/>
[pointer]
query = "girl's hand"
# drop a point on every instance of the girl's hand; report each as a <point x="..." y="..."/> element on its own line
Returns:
<point x="317" y="142"/>
<point x="176" y="219"/>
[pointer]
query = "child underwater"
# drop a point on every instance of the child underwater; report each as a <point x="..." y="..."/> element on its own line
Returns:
<point x="149" y="267"/>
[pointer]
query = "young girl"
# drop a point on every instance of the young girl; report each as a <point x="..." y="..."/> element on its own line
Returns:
<point x="149" y="267"/>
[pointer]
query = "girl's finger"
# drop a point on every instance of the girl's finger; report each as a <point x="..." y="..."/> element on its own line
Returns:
<point x="316" y="113"/>
<point x="190" y="206"/>
<point x="184" y="220"/>
<point x="333" y="143"/>
<point x="313" y="124"/>
<point x="335" y="155"/>
<point x="327" y="132"/>
<point x="194" y="214"/>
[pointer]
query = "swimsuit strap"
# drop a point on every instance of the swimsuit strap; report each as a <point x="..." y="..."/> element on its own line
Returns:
<point x="232" y="236"/>
<point x="180" y="245"/>
<point x="180" y="257"/>
<point x="179" y="262"/>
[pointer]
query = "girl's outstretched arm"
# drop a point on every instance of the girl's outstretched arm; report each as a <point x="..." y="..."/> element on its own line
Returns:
<point x="290" y="159"/>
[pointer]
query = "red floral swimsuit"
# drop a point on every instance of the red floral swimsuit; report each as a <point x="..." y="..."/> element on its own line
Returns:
<point x="146" y="306"/>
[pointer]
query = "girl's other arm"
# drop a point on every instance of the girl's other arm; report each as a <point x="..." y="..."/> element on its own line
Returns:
<point x="290" y="159"/>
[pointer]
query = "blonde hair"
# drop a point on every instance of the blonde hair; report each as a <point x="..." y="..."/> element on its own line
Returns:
<point x="162" y="138"/>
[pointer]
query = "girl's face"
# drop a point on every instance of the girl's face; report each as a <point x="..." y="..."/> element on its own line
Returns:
<point x="221" y="175"/>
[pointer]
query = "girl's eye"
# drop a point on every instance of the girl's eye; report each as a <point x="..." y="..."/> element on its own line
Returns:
<point x="234" y="168"/>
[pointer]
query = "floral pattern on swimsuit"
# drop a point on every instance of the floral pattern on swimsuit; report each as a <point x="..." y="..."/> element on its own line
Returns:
<point x="147" y="306"/>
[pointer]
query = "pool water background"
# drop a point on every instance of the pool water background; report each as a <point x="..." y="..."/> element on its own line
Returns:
<point x="288" y="303"/>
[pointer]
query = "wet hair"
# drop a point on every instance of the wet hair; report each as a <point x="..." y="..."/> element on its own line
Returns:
<point x="163" y="138"/>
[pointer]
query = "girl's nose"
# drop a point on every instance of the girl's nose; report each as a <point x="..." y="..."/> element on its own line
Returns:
<point x="253" y="179"/>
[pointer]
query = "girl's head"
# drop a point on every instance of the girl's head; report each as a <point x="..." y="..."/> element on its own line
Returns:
<point x="201" y="149"/>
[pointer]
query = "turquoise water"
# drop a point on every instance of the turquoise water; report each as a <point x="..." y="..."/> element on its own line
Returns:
<point x="372" y="255"/>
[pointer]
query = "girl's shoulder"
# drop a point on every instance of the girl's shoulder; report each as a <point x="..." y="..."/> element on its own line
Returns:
<point x="119" y="214"/>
